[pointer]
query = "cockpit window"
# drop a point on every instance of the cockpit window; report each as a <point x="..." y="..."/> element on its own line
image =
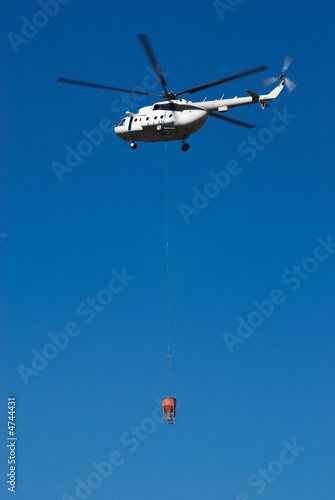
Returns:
<point x="122" y="122"/>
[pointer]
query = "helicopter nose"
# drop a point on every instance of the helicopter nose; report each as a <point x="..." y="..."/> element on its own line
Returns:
<point x="117" y="131"/>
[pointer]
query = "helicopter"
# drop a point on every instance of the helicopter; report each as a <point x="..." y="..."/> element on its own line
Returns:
<point x="176" y="118"/>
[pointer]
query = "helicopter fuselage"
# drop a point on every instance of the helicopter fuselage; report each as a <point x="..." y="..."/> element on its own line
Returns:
<point x="163" y="121"/>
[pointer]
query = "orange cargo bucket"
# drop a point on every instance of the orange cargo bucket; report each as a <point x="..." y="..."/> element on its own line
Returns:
<point x="169" y="410"/>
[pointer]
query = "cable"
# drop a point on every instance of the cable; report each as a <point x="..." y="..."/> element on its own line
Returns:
<point x="168" y="360"/>
<point x="167" y="248"/>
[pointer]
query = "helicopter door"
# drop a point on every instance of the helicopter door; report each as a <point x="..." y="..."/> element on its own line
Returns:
<point x="130" y="121"/>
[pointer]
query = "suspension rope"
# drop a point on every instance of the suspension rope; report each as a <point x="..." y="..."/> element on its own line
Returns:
<point x="167" y="249"/>
<point x="168" y="365"/>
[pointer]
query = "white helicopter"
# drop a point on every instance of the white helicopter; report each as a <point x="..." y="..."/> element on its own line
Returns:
<point x="176" y="119"/>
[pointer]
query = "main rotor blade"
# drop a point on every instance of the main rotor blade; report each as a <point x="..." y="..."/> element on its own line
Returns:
<point x="232" y="120"/>
<point x="227" y="79"/>
<point x="148" y="49"/>
<point x="78" y="82"/>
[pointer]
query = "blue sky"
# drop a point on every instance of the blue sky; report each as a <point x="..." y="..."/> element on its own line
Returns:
<point x="254" y="379"/>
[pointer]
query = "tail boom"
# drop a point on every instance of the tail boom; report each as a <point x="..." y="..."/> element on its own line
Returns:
<point x="223" y="105"/>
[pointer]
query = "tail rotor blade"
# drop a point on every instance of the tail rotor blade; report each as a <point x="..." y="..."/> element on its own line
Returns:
<point x="268" y="81"/>
<point x="290" y="84"/>
<point x="287" y="63"/>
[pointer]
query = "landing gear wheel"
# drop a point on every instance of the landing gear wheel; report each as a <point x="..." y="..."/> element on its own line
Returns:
<point x="133" y="145"/>
<point x="185" y="147"/>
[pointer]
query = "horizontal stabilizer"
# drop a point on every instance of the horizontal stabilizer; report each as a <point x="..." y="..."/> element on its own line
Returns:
<point x="256" y="97"/>
<point x="252" y="94"/>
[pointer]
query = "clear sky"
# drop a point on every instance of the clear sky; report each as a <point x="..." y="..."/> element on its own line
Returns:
<point x="83" y="256"/>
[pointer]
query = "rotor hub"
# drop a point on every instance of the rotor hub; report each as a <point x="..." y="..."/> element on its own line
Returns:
<point x="169" y="96"/>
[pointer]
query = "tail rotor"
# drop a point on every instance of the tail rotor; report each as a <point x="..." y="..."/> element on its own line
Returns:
<point x="290" y="85"/>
